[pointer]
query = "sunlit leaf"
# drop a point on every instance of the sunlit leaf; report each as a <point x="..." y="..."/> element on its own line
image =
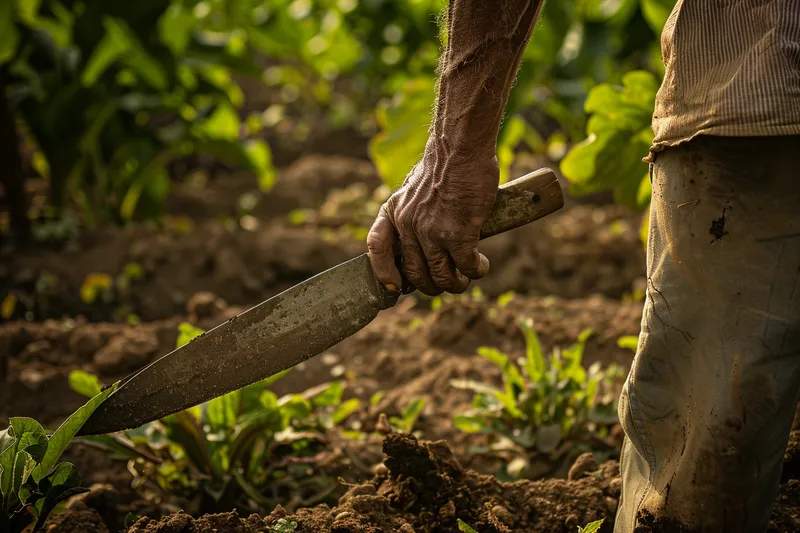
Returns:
<point x="330" y="396"/>
<point x="120" y="43"/>
<point x="175" y="28"/>
<point x="656" y="13"/>
<point x="468" y="424"/>
<point x="9" y="37"/>
<point x="66" y="431"/>
<point x="464" y="527"/>
<point x="404" y="125"/>
<point x="345" y="410"/>
<point x="221" y="411"/>
<point x="94" y="285"/>
<point x="186" y="333"/>
<point x="85" y="383"/>
<point x="629" y="342"/>
<point x="8" y="306"/>
<point x="592" y="527"/>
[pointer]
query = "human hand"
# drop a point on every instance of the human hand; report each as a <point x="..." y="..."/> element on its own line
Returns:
<point x="434" y="221"/>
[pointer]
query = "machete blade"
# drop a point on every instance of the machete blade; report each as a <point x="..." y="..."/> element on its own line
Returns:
<point x="271" y="337"/>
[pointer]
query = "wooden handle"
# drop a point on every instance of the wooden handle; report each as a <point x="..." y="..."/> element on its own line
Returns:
<point x="524" y="200"/>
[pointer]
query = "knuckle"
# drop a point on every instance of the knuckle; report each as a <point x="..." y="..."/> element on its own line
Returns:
<point x="375" y="242"/>
<point x="414" y="274"/>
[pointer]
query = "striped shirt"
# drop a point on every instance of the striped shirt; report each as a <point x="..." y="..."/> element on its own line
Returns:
<point x="732" y="69"/>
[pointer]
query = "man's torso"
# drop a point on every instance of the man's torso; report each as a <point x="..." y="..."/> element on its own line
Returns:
<point x="732" y="69"/>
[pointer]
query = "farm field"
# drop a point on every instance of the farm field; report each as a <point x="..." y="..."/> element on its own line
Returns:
<point x="168" y="165"/>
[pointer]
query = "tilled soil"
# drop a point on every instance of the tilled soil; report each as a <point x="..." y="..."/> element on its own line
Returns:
<point x="408" y="352"/>
<point x="578" y="251"/>
<point x="422" y="488"/>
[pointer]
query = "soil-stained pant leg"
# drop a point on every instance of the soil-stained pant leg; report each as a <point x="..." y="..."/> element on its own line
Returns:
<point x="708" y="404"/>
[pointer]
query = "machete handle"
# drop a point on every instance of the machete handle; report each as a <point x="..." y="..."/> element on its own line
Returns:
<point x="524" y="200"/>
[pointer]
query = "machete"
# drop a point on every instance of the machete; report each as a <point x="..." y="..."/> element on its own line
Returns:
<point x="289" y="328"/>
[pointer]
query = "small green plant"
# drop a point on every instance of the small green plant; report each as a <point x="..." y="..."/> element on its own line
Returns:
<point x="246" y="449"/>
<point x="591" y="527"/>
<point x="466" y="528"/>
<point x="544" y="400"/>
<point x="32" y="481"/>
<point x="408" y="417"/>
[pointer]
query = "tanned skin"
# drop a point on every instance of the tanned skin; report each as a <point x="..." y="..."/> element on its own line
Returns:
<point x="433" y="221"/>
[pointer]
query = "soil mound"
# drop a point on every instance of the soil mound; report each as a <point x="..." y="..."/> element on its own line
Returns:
<point x="424" y="489"/>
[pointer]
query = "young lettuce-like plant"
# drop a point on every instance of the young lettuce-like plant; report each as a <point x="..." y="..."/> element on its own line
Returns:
<point x="238" y="449"/>
<point x="32" y="481"/>
<point x="544" y="400"/>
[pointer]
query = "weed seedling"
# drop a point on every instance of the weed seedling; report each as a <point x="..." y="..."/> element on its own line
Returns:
<point x="32" y="481"/>
<point x="248" y="449"/>
<point x="544" y="400"/>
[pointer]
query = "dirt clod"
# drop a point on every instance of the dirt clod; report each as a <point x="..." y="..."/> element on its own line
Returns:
<point x="78" y="518"/>
<point x="126" y="352"/>
<point x="584" y="464"/>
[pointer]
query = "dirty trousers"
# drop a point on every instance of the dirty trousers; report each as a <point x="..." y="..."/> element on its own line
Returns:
<point x="709" y="402"/>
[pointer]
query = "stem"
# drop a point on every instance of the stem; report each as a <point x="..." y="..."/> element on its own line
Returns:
<point x="11" y="174"/>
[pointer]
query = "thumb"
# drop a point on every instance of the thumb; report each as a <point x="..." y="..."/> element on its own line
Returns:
<point x="380" y="243"/>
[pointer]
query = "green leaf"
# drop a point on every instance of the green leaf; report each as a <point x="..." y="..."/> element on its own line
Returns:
<point x="535" y="364"/>
<point x="656" y="13"/>
<point x="27" y="432"/>
<point x="175" y="28"/>
<point x="130" y="519"/>
<point x="469" y="424"/>
<point x="629" y="342"/>
<point x="85" y="383"/>
<point x="64" y="434"/>
<point x="294" y="407"/>
<point x="504" y="299"/>
<point x="121" y="44"/>
<point x="9" y="37"/>
<point x="62" y="483"/>
<point x="331" y="396"/>
<point x="186" y="333"/>
<point x="619" y="137"/>
<point x="592" y="527"/>
<point x="260" y="157"/>
<point x="23" y="466"/>
<point x="107" y="52"/>
<point x="6" y="439"/>
<point x="283" y="526"/>
<point x="512" y="135"/>
<point x="405" y="422"/>
<point x="221" y="411"/>
<point x="7" y="459"/>
<point x="376" y="398"/>
<point x="608" y="160"/>
<point x="346" y="409"/>
<point x="494" y="356"/>
<point x="404" y="125"/>
<point x="223" y="123"/>
<point x="462" y="526"/>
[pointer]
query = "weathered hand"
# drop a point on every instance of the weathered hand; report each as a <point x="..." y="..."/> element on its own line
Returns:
<point x="434" y="222"/>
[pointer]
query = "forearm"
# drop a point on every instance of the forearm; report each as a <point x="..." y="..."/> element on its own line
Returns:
<point x="486" y="40"/>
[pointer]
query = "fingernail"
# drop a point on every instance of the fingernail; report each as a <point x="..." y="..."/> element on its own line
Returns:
<point x="484" y="268"/>
<point x="391" y="288"/>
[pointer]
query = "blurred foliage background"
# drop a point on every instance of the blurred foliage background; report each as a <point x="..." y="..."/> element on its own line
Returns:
<point x="109" y="100"/>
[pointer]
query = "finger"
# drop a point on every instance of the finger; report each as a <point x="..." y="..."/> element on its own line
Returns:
<point x="415" y="266"/>
<point x="443" y="270"/>
<point x="469" y="261"/>
<point x="380" y="243"/>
